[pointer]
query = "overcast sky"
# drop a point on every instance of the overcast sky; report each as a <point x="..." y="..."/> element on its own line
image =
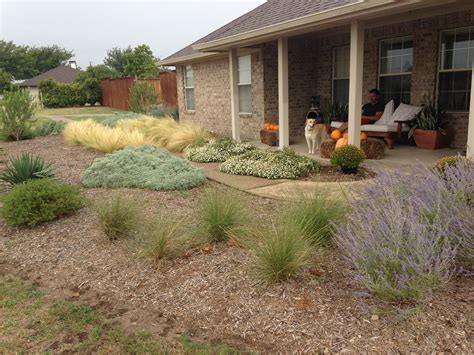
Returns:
<point x="89" y="27"/>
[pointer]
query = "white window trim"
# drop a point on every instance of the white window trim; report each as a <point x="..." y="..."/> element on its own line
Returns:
<point x="186" y="87"/>
<point x="380" y="75"/>
<point x="440" y="70"/>
<point x="246" y="84"/>
<point x="334" y="70"/>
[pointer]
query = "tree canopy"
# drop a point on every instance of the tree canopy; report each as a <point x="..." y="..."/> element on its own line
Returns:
<point x="138" y="62"/>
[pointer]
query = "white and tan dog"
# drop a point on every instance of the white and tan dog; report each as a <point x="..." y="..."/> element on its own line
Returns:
<point x="314" y="133"/>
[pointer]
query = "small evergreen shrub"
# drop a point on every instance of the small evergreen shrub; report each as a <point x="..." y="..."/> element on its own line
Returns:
<point x="216" y="150"/>
<point x="163" y="240"/>
<point x="26" y="167"/>
<point x="39" y="201"/>
<point x="348" y="158"/>
<point x="280" y="252"/>
<point x="316" y="217"/>
<point x="48" y="128"/>
<point x="221" y="214"/>
<point x="144" y="167"/>
<point x="269" y="164"/>
<point x="56" y="95"/>
<point x="118" y="217"/>
<point x="142" y="97"/>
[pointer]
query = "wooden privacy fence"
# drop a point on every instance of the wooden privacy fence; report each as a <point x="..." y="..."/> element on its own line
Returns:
<point x="115" y="92"/>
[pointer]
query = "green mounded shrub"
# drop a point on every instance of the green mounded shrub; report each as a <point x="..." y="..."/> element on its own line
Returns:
<point x="221" y="214"/>
<point x="269" y="164"/>
<point x="48" y="128"/>
<point x="144" y="167"/>
<point x="40" y="201"/>
<point x="55" y="95"/>
<point x="348" y="158"/>
<point x="26" y="167"/>
<point x="280" y="252"/>
<point x="316" y="217"/>
<point x="118" y="217"/>
<point x="216" y="150"/>
<point x="142" y="97"/>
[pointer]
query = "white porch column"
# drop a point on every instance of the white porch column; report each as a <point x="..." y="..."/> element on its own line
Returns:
<point x="283" y="106"/>
<point x="355" y="82"/>
<point x="470" y="130"/>
<point x="234" y="93"/>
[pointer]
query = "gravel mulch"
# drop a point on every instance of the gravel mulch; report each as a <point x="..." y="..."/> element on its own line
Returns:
<point x="213" y="293"/>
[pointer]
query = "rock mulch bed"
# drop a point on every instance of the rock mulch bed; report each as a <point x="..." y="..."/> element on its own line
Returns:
<point x="212" y="293"/>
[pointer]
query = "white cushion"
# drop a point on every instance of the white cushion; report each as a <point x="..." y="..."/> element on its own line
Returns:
<point x="336" y="124"/>
<point x="404" y="112"/>
<point x="383" y="128"/>
<point x="387" y="114"/>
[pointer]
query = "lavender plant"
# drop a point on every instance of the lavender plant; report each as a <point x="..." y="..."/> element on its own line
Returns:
<point x="406" y="231"/>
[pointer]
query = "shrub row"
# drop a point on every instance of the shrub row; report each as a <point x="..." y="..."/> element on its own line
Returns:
<point x="54" y="94"/>
<point x="269" y="164"/>
<point x="216" y="150"/>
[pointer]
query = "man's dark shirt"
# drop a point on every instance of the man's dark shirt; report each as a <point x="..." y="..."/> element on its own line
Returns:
<point x="370" y="109"/>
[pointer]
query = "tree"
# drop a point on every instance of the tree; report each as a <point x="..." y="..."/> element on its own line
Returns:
<point x="141" y="63"/>
<point x="116" y="59"/>
<point x="142" y="97"/>
<point x="24" y="62"/>
<point x="5" y="81"/>
<point x="91" y="78"/>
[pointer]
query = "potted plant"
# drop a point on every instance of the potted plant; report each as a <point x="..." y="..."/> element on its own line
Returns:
<point x="429" y="128"/>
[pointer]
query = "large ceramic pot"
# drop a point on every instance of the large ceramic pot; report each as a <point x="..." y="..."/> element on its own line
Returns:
<point x="432" y="140"/>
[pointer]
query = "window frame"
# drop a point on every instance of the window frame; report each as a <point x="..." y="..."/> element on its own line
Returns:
<point x="334" y="79"/>
<point x="186" y="88"/>
<point x="249" y="84"/>
<point x="402" y="73"/>
<point x="440" y="70"/>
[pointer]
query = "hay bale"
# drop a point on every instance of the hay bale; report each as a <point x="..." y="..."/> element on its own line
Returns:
<point x="327" y="148"/>
<point x="372" y="147"/>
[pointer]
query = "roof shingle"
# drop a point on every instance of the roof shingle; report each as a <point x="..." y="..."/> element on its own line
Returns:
<point x="272" y="12"/>
<point x="62" y="74"/>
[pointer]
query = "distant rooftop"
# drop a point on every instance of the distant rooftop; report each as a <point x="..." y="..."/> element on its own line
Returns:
<point x="62" y="74"/>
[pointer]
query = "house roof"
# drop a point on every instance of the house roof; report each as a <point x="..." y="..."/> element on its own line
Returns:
<point x="62" y="74"/>
<point x="270" y="13"/>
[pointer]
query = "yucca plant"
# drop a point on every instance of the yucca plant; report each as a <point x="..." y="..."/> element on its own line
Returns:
<point x="26" y="167"/>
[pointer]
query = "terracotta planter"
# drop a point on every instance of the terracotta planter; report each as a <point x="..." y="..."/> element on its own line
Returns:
<point x="432" y="140"/>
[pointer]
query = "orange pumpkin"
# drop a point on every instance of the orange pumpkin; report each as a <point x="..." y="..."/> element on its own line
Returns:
<point x="341" y="143"/>
<point x="276" y="127"/>
<point x="346" y="135"/>
<point x="363" y="136"/>
<point x="267" y="125"/>
<point x="336" y="135"/>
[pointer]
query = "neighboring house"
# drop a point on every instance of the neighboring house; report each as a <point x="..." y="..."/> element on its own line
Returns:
<point x="64" y="74"/>
<point x="267" y="64"/>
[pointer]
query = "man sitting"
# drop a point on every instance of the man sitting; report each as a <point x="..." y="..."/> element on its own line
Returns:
<point x="371" y="112"/>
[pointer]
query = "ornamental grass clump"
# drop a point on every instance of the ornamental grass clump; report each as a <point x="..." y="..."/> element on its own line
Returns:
<point x="405" y="232"/>
<point x="119" y="217"/>
<point x="146" y="167"/>
<point x="216" y="150"/>
<point x="280" y="252"/>
<point x="222" y="215"/>
<point x="163" y="239"/>
<point x="26" y="167"/>
<point x="316" y="216"/>
<point x="269" y="164"/>
<point x="39" y="201"/>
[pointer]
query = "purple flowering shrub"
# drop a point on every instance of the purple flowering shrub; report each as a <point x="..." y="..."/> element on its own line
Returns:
<point x="406" y="231"/>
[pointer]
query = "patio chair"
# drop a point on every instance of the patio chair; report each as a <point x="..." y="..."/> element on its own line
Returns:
<point x="392" y="125"/>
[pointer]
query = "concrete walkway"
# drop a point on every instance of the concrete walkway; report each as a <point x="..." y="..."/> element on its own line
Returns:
<point x="278" y="189"/>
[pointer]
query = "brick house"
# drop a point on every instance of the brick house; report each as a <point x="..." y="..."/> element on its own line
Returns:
<point x="267" y="64"/>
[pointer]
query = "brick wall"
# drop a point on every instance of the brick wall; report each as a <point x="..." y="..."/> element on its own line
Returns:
<point x="212" y="95"/>
<point x="310" y="74"/>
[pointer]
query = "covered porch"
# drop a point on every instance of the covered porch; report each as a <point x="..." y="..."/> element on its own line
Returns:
<point x="297" y="66"/>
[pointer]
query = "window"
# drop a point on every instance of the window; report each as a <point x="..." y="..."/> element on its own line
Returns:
<point x="245" y="84"/>
<point x="189" y="88"/>
<point x="457" y="57"/>
<point x="340" y="79"/>
<point x="396" y="63"/>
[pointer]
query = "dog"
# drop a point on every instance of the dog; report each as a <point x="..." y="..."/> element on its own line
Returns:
<point x="315" y="133"/>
